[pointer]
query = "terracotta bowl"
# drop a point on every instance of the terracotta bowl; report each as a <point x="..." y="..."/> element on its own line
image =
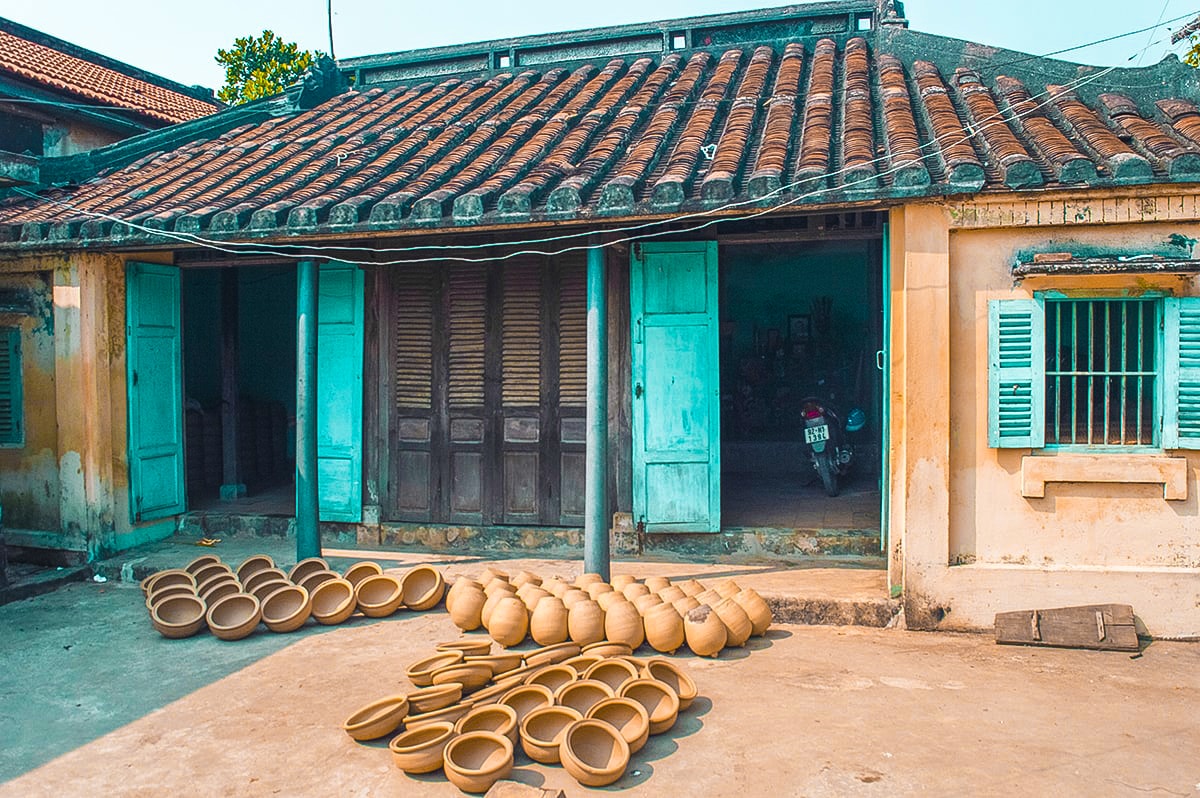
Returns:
<point x="499" y="663"/>
<point x="613" y="672"/>
<point x="495" y="691"/>
<point x="379" y="596"/>
<point x="234" y="617"/>
<point x="607" y="649"/>
<point x="333" y="602"/>
<point x="581" y="662"/>
<point x="427" y="699"/>
<point x="287" y="609"/>
<point x="316" y="578"/>
<point x="471" y="677"/>
<point x="252" y="565"/>
<point x="360" y="571"/>
<point x="158" y="596"/>
<point x="477" y="760"/>
<point x="495" y="718"/>
<point x="469" y="648"/>
<point x="264" y="590"/>
<point x="305" y="567"/>
<point x="202" y="588"/>
<point x="203" y="561"/>
<point x="209" y="570"/>
<point x="421" y="750"/>
<point x="262" y="576"/>
<point x="673" y="676"/>
<point x="167" y="578"/>
<point x="448" y="714"/>
<point x="583" y="694"/>
<point x="178" y="616"/>
<point x="423" y="588"/>
<point x="660" y="701"/>
<point x="594" y="753"/>
<point x="377" y="718"/>
<point x="526" y="698"/>
<point x="219" y="591"/>
<point x="626" y="716"/>
<point x="553" y="677"/>
<point x="420" y="672"/>
<point x="542" y="731"/>
<point x="549" y="655"/>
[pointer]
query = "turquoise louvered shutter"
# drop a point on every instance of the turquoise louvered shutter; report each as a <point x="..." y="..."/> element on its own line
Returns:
<point x="339" y="392"/>
<point x="1181" y="373"/>
<point x="1016" y="374"/>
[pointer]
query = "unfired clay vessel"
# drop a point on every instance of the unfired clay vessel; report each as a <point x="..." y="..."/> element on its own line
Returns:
<point x="477" y="760"/>
<point x="626" y="716"/>
<point x="423" y="588"/>
<point x="548" y="623"/>
<point x="585" y="622"/>
<point x="664" y="629"/>
<point x="234" y="617"/>
<point x="705" y="632"/>
<point x="421" y="750"/>
<point x="203" y="561"/>
<point x="428" y="699"/>
<point x="252" y="565"/>
<point x="526" y="698"/>
<point x="613" y="672"/>
<point x="509" y="622"/>
<point x="623" y="624"/>
<point x="379" y="596"/>
<point x="471" y="677"/>
<point x="672" y="676"/>
<point x="594" y="753"/>
<point x="420" y="672"/>
<point x="467" y="609"/>
<point x="359" y="571"/>
<point x="551" y="653"/>
<point x="333" y="602"/>
<point x="542" y="731"/>
<point x="469" y="648"/>
<point x="737" y="622"/>
<point x="316" y="578"/>
<point x="553" y="676"/>
<point x="621" y="580"/>
<point x="377" y="718"/>
<point x="178" y="616"/>
<point x="495" y="718"/>
<point x="756" y="609"/>
<point x="287" y="609"/>
<point x="262" y="576"/>
<point x="660" y="701"/>
<point x="582" y="695"/>
<point x="306" y="567"/>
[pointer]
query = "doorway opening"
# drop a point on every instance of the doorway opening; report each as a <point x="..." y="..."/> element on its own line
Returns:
<point x="798" y="320"/>
<point x="260" y="339"/>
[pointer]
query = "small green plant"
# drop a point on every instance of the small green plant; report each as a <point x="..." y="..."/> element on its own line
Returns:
<point x="261" y="66"/>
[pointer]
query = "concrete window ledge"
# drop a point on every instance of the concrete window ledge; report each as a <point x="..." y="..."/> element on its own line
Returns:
<point x="1170" y="472"/>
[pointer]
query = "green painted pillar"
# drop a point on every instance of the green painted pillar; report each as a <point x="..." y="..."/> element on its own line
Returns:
<point x="308" y="538"/>
<point x="595" y="529"/>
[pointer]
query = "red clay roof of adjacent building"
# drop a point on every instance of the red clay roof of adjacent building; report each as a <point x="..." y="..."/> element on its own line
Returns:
<point x="53" y="68"/>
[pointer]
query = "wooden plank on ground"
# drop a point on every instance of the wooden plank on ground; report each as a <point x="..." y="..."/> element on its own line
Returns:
<point x="1106" y="627"/>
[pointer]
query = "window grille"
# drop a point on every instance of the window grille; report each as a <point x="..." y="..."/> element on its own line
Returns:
<point x="12" y="430"/>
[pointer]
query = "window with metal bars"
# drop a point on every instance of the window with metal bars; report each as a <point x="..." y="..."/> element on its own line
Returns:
<point x="1102" y="371"/>
<point x="12" y="422"/>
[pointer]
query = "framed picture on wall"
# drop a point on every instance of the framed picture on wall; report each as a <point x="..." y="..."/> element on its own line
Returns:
<point x="799" y="332"/>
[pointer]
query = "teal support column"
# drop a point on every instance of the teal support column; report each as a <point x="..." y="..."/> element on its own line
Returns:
<point x="595" y="529"/>
<point x="308" y="538"/>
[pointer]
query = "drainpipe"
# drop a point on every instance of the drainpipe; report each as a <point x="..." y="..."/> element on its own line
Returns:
<point x="595" y="529"/>
<point x="308" y="539"/>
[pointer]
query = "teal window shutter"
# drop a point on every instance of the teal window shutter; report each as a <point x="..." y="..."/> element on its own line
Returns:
<point x="1016" y="374"/>
<point x="1181" y="373"/>
<point x="12" y="428"/>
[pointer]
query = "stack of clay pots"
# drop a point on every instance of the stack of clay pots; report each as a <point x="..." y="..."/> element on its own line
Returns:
<point x="654" y="612"/>
<point x="472" y="712"/>
<point x="232" y="603"/>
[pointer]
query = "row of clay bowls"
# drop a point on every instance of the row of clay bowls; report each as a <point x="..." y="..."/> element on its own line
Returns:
<point x="588" y="708"/>
<point x="233" y="603"/>
<point x="657" y="612"/>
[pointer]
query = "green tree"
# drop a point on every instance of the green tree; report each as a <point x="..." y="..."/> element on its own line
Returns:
<point x="261" y="66"/>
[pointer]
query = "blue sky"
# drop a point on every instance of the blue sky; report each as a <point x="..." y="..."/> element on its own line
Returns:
<point x="159" y="36"/>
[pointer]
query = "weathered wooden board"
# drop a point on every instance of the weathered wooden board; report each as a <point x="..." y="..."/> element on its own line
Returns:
<point x="1107" y="627"/>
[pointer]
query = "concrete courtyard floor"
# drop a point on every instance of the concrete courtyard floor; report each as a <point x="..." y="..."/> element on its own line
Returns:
<point x="94" y="702"/>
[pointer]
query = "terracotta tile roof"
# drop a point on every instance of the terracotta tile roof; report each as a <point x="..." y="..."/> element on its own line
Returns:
<point x="806" y="121"/>
<point x="63" y="71"/>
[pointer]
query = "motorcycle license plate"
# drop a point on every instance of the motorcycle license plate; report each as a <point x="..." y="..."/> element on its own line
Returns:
<point x="816" y="434"/>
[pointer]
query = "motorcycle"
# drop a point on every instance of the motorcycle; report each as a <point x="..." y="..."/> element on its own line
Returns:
<point x="828" y="440"/>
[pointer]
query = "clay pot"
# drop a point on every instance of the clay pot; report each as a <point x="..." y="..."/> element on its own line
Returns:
<point x="449" y="714"/>
<point x="727" y="588"/>
<point x="264" y="590"/>
<point x="573" y="595"/>
<point x="332" y="602"/>
<point x="548" y="623"/>
<point x="581" y="662"/>
<point x="459" y="585"/>
<point x="583" y="694"/>
<point x="262" y="576"/>
<point x="660" y="701"/>
<point x="657" y="583"/>
<point x="710" y="598"/>
<point x="169" y="578"/>
<point x="467" y="610"/>
<point x="606" y="600"/>
<point x="220" y="590"/>
<point x="526" y="578"/>
<point x="161" y="594"/>
<point x="628" y="717"/>
<point x="635" y="589"/>
<point x="316" y="578"/>
<point x="550" y="654"/>
<point x="596" y="589"/>
<point x="252" y="565"/>
<point x="509" y="622"/>
<point x="423" y="587"/>
<point x="471" y="677"/>
<point x="685" y="605"/>
<point x="429" y="699"/>
<point x="489" y="573"/>
<point x="379" y="596"/>
<point x="671" y="593"/>
<point x="606" y="648"/>
<point x="201" y="562"/>
<point x="469" y="648"/>
<point x="664" y="629"/>
<point x="594" y="753"/>
<point x="477" y="760"/>
<point x="672" y="676"/>
<point x="756" y="609"/>
<point x="623" y="624"/>
<point x="531" y="595"/>
<point x="495" y="718"/>
<point x="494" y="692"/>
<point x="737" y="623"/>
<point x="553" y="677"/>
<point x="555" y="586"/>
<point x="499" y="663"/>
<point x="178" y="616"/>
<point x="613" y="672"/>
<point x="499" y="585"/>
<point x="377" y="718"/>
<point x="420" y="673"/>
<point x="645" y="603"/>
<point x="357" y="572"/>
<point x="620" y="581"/>
<point x="691" y="587"/>
<point x="306" y="567"/>
<point x="287" y="609"/>
<point x="705" y="633"/>
<point x="585" y="622"/>
<point x="525" y="698"/>
<point x="489" y="605"/>
<point x="208" y="571"/>
<point x="216" y="580"/>
<point x="421" y="750"/>
<point x="583" y="580"/>
<point x="542" y="731"/>
<point x="234" y="617"/>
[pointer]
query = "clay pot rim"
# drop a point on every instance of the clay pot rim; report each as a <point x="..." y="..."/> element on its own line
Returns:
<point x="541" y="689"/>
<point x="584" y="684"/>
<point x="552" y="649"/>
<point x="620" y="701"/>
<point x="152" y="580"/>
<point x="639" y="684"/>
<point x="154" y="612"/>
<point x="606" y="728"/>
<point x="470" y="737"/>
<point x="554" y="709"/>
<point x="508" y="712"/>
<point x="461" y="645"/>
<point x="544" y="669"/>
<point x="258" y="575"/>
<point x="291" y="574"/>
<point x="236" y="597"/>
<point x="681" y="675"/>
<point x="340" y="583"/>
<point x="436" y="689"/>
<point x="422" y="718"/>
<point x="267" y="558"/>
<point x="438" y="583"/>
<point x="413" y="669"/>
<point x="487" y="659"/>
<point x="591" y="648"/>
<point x="465" y="669"/>
<point x="613" y="662"/>
<point x="378" y="604"/>
<point x="156" y="598"/>
<point x="275" y="594"/>
<point x="374" y="711"/>
<point x="373" y="566"/>
<point x="580" y="656"/>
<point x="445" y="727"/>
<point x="214" y="580"/>
<point x="203" y="558"/>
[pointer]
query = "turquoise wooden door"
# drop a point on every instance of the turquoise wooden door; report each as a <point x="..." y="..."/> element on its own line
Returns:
<point x="155" y="380"/>
<point x="339" y="392"/>
<point x="676" y="393"/>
